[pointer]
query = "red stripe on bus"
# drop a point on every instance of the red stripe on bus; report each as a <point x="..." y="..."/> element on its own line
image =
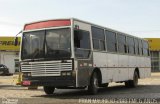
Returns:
<point x="47" y="24"/>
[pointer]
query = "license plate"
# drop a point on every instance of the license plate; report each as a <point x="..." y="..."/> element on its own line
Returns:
<point x="26" y="83"/>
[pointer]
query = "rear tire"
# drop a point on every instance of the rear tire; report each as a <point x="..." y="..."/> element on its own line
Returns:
<point x="127" y="84"/>
<point x="132" y="83"/>
<point x="94" y="85"/>
<point x="49" y="89"/>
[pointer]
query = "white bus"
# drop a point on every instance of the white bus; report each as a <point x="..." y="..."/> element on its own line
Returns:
<point x="63" y="53"/>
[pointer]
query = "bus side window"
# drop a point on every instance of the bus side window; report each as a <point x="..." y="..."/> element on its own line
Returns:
<point x="148" y="50"/>
<point x="145" y="48"/>
<point x="82" y="43"/>
<point x="81" y="39"/>
<point x="140" y="47"/>
<point x="136" y="46"/>
<point x="77" y="38"/>
<point x="98" y="38"/>
<point x="131" y="45"/>
<point x="111" y="41"/>
<point x="122" y="48"/>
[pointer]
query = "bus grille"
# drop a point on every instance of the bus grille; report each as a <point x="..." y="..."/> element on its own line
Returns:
<point x="52" y="68"/>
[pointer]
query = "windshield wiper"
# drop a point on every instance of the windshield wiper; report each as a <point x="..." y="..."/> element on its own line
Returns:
<point x="28" y="60"/>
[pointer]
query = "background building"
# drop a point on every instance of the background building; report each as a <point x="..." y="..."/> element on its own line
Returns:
<point x="9" y="54"/>
<point x="154" y="44"/>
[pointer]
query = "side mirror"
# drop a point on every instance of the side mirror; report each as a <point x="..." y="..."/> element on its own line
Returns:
<point x="16" y="41"/>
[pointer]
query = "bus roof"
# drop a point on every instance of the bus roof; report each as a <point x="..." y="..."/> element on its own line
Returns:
<point x="67" y="22"/>
<point x="47" y="24"/>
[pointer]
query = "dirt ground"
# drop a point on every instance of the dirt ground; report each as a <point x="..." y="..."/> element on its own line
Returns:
<point x="148" y="91"/>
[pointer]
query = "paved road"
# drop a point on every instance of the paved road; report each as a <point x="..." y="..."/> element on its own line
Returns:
<point x="148" y="91"/>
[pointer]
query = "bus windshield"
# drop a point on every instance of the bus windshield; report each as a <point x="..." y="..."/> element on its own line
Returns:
<point x="46" y="44"/>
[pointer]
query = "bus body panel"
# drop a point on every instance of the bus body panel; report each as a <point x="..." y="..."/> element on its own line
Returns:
<point x="132" y="66"/>
<point x="83" y="73"/>
<point x="100" y="61"/>
<point x="140" y="61"/>
<point x="84" y="66"/>
<point x="123" y="66"/>
<point x="112" y="61"/>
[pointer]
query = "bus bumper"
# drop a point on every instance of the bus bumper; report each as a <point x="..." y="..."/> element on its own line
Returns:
<point x="49" y="81"/>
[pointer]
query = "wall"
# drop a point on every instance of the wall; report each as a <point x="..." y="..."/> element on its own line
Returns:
<point x="154" y="44"/>
<point x="7" y="43"/>
<point x="8" y="59"/>
<point x="155" y="60"/>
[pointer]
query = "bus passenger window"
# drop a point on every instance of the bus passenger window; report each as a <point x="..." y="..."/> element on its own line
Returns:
<point x="131" y="45"/>
<point x="77" y="39"/>
<point x="81" y="39"/>
<point x="111" y="41"/>
<point x="140" y="47"/>
<point x="145" y="48"/>
<point x="136" y="46"/>
<point x="122" y="48"/>
<point x="82" y="43"/>
<point x="98" y="38"/>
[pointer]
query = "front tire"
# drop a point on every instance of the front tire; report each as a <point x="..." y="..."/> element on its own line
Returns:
<point x="49" y="89"/>
<point x="94" y="85"/>
<point x="132" y="83"/>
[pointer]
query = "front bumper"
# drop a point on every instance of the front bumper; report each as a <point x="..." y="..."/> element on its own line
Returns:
<point x="49" y="81"/>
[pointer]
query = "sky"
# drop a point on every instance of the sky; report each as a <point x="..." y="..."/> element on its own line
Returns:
<point x="136" y="17"/>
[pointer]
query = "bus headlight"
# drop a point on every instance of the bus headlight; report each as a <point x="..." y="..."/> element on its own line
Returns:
<point x="26" y="74"/>
<point x="66" y="73"/>
<point x="63" y="73"/>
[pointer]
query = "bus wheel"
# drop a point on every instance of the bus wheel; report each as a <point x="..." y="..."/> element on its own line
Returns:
<point x="48" y="89"/>
<point x="93" y="87"/>
<point x="134" y="82"/>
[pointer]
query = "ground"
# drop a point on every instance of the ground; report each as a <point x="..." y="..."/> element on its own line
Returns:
<point x="148" y="91"/>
